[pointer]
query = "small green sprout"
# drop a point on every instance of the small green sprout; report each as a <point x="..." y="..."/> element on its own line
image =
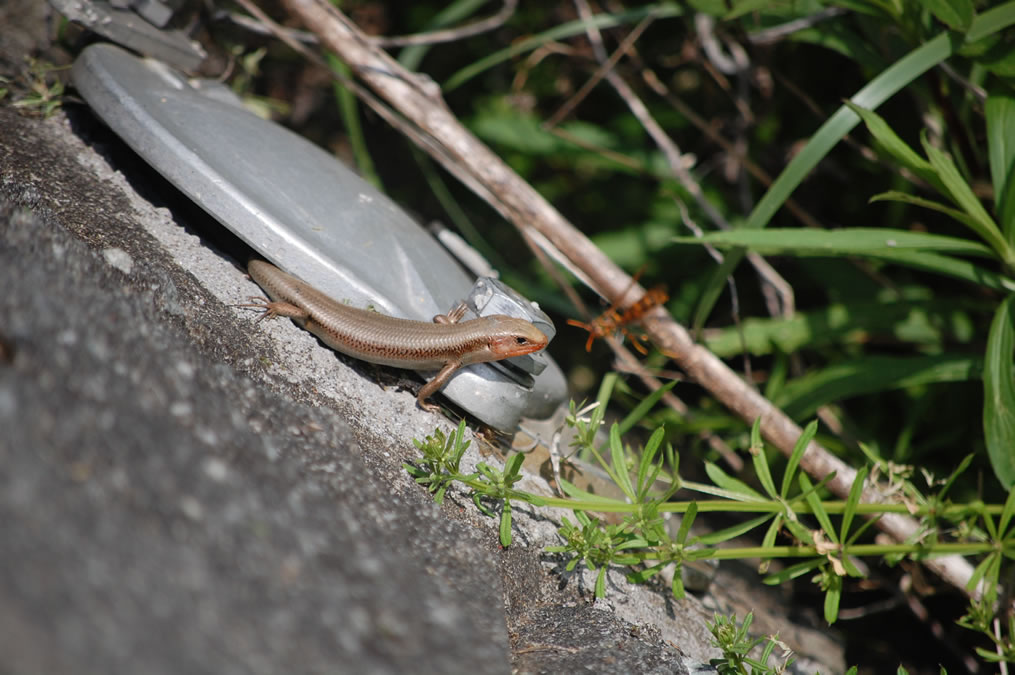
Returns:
<point x="442" y="457"/>
<point x="44" y="91"/>
<point x="735" y="643"/>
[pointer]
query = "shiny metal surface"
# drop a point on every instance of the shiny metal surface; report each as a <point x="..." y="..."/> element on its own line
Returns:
<point x="310" y="215"/>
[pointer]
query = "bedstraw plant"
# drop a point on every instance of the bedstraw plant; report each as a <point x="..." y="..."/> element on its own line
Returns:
<point x="818" y="538"/>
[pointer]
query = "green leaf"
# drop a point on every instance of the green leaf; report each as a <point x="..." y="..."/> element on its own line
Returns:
<point x="1006" y="513"/>
<point x="846" y="241"/>
<point x="905" y="197"/>
<point x="917" y="322"/>
<point x="832" y="597"/>
<point x="514" y="130"/>
<point x="773" y="531"/>
<point x="760" y="461"/>
<point x="742" y="7"/>
<point x="756" y="441"/>
<point x="995" y="55"/>
<point x="960" y="193"/>
<point x="855" y="491"/>
<point x="999" y="394"/>
<point x="839" y="37"/>
<point x="793" y="571"/>
<point x="606" y="387"/>
<point x="988" y="524"/>
<point x="818" y="508"/>
<point x="578" y="27"/>
<point x="677" y="585"/>
<point x="643" y="407"/>
<point x="963" y="465"/>
<point x="803" y="396"/>
<point x="1000" y="114"/>
<point x="641" y="576"/>
<point x="898" y="149"/>
<point x="986" y="571"/>
<point x="619" y="459"/>
<point x="742" y="632"/>
<point x="817" y="487"/>
<point x="732" y="531"/>
<point x="794" y="459"/>
<point x="1006" y="213"/>
<point x="956" y="14"/>
<point x="952" y="267"/>
<point x="686" y="521"/>
<point x="647" y="470"/>
<point x="513" y="466"/>
<point x="797" y="529"/>
<point x="603" y="502"/>
<point x="505" y="525"/>
<point x="727" y="482"/>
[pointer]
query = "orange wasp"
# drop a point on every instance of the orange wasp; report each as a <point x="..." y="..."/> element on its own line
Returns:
<point x="613" y="320"/>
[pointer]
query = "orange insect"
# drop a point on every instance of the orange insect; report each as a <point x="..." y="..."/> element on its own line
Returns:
<point x="613" y="320"/>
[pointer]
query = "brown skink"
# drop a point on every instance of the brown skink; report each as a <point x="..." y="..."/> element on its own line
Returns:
<point x="444" y="344"/>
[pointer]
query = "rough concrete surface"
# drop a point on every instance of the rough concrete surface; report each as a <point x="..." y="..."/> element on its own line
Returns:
<point x="183" y="491"/>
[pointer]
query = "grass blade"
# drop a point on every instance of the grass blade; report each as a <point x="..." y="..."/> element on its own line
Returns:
<point x="907" y="198"/>
<point x="619" y="461"/>
<point x="855" y="491"/>
<point x="565" y="30"/>
<point x="895" y="146"/>
<point x="999" y="394"/>
<point x="794" y="459"/>
<point x="727" y="482"/>
<point x="643" y="407"/>
<point x="1000" y="113"/>
<point x="803" y="396"/>
<point x="956" y="14"/>
<point x="846" y="241"/>
<point x="760" y="461"/>
<point x="962" y="195"/>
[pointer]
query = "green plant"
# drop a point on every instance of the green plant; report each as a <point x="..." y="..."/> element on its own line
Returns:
<point x="798" y="522"/>
<point x="41" y="92"/>
<point x="442" y="457"/>
<point x="440" y="467"/>
<point x="736" y="645"/>
<point x="495" y="485"/>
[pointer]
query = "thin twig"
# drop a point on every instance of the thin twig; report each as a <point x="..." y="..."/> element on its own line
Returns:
<point x="600" y="73"/>
<point x="451" y="34"/>
<point x="258" y="26"/>
<point x="262" y="26"/>
<point x="774" y="34"/>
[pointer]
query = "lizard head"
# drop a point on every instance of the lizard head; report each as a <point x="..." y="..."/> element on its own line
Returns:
<point x="513" y="337"/>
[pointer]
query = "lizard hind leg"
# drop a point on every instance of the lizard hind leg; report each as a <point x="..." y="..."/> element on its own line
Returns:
<point x="434" y="385"/>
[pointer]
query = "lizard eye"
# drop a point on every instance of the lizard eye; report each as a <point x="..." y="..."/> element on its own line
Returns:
<point x="521" y="340"/>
